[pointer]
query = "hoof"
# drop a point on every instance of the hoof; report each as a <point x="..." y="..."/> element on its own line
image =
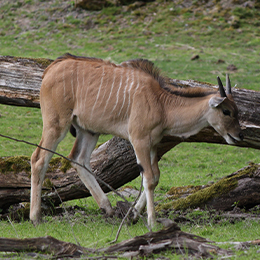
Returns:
<point x="36" y="222"/>
<point x="135" y="217"/>
<point x="108" y="213"/>
<point x="36" y="219"/>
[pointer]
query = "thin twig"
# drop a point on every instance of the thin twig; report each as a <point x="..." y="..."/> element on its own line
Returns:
<point x="67" y="215"/>
<point x="128" y="212"/>
<point x="13" y="226"/>
<point x="178" y="245"/>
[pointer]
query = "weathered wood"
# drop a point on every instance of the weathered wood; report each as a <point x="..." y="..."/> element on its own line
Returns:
<point x="48" y="245"/>
<point x="170" y="238"/>
<point x="20" y="80"/>
<point x="240" y="189"/>
<point x="246" y="191"/>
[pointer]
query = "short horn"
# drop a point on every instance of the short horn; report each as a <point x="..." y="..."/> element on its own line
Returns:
<point x="221" y="88"/>
<point x="228" y="85"/>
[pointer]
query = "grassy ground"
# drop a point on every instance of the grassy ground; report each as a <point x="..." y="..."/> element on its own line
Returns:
<point x="166" y="33"/>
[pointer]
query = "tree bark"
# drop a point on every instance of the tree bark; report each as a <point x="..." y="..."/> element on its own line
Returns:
<point x="114" y="162"/>
<point x="20" y="80"/>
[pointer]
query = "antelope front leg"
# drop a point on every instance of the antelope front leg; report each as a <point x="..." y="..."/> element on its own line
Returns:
<point x="141" y="203"/>
<point x="150" y="180"/>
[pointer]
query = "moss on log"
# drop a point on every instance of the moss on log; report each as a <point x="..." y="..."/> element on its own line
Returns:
<point x="241" y="188"/>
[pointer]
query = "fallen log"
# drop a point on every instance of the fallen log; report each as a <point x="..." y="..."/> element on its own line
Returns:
<point x="62" y="182"/>
<point x="47" y="244"/>
<point x="240" y="189"/>
<point x="20" y="82"/>
<point x="170" y="238"/>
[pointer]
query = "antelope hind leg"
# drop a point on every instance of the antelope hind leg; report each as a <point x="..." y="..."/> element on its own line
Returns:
<point x="139" y="207"/>
<point x="39" y="163"/>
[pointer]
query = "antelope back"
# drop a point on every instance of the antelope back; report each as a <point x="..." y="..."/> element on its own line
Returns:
<point x="97" y="94"/>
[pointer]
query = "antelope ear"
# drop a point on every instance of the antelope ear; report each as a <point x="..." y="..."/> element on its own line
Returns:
<point x="216" y="101"/>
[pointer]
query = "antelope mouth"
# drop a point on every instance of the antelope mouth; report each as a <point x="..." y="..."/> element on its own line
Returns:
<point x="232" y="138"/>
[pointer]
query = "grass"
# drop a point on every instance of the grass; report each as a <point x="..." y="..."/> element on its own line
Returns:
<point x="169" y="36"/>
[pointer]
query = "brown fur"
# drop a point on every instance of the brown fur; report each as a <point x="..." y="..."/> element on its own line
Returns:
<point x="140" y="64"/>
<point x="70" y="56"/>
<point x="149" y="68"/>
<point x="189" y="92"/>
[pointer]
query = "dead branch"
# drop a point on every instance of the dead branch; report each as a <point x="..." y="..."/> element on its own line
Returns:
<point x="169" y="238"/>
<point x="48" y="245"/>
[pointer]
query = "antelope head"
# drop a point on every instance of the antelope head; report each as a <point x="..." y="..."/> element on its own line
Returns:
<point x="223" y="116"/>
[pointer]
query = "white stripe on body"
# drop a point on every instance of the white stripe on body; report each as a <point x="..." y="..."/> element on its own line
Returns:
<point x="118" y="91"/>
<point x="125" y="89"/>
<point x="64" y="82"/>
<point x="71" y="81"/>
<point x="81" y="92"/>
<point x="99" y="89"/>
<point x="104" y="93"/>
<point x="129" y="94"/>
<point x="111" y="90"/>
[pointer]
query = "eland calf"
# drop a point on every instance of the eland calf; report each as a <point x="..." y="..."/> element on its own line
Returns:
<point x="130" y="100"/>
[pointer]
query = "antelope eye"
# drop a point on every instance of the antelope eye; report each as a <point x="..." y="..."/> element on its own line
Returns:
<point x="226" y="112"/>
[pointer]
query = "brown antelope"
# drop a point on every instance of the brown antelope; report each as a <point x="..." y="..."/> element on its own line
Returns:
<point x="130" y="100"/>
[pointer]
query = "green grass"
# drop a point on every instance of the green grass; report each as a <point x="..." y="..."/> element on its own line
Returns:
<point x="169" y="36"/>
<point x="198" y="164"/>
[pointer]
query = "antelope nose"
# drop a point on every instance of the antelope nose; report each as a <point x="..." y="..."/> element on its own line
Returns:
<point x="241" y="136"/>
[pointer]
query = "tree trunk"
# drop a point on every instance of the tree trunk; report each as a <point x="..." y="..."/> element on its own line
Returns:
<point x="114" y="162"/>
